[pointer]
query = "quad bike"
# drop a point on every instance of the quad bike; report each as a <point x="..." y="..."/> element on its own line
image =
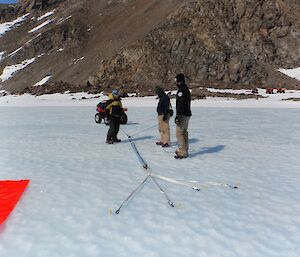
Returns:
<point x="101" y="114"/>
<point x="281" y="90"/>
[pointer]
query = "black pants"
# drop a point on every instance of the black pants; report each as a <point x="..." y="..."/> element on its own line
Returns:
<point x="114" y="127"/>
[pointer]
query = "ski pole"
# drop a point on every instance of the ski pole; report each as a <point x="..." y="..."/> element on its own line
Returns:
<point x="138" y="155"/>
<point x="140" y="158"/>
<point x="132" y="194"/>
<point x="145" y="166"/>
<point x="162" y="191"/>
<point x="192" y="184"/>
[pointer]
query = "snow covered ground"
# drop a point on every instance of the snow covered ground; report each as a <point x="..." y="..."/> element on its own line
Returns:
<point x="76" y="179"/>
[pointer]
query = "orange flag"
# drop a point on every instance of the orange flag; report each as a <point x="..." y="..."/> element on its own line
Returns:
<point x="10" y="193"/>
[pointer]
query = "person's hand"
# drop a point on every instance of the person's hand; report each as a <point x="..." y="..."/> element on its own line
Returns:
<point x="177" y="121"/>
<point x="165" y="117"/>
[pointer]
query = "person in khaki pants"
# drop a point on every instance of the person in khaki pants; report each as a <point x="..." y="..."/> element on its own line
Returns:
<point x="182" y="118"/>
<point x="163" y="117"/>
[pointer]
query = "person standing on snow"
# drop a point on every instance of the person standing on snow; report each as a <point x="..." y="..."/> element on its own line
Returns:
<point x="163" y="117"/>
<point x="183" y="115"/>
<point x="114" y="110"/>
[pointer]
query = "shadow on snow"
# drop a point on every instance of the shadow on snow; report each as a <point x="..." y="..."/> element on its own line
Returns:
<point x="131" y="123"/>
<point x="208" y="150"/>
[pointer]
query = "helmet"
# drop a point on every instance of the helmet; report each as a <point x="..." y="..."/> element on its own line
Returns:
<point x="115" y="92"/>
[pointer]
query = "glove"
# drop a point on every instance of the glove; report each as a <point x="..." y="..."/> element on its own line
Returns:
<point x="177" y="121"/>
<point x="165" y="117"/>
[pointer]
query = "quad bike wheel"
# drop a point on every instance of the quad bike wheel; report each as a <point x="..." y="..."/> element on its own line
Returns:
<point x="98" y="118"/>
<point x="123" y="118"/>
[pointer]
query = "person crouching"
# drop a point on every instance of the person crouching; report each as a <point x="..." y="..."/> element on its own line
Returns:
<point x="163" y="117"/>
<point x="114" y="110"/>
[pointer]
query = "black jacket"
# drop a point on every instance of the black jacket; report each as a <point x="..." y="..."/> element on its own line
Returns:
<point x="163" y="105"/>
<point x="183" y="101"/>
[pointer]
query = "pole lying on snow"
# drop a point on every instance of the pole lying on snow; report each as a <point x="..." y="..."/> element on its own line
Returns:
<point x="190" y="184"/>
<point x="162" y="191"/>
<point x="196" y="185"/>
<point x="145" y="166"/>
<point x="132" y="194"/>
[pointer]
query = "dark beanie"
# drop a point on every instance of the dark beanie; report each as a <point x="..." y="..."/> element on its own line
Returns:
<point x="180" y="78"/>
<point x="159" y="90"/>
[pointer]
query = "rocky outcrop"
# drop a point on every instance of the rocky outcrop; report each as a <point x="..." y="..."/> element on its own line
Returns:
<point x="203" y="93"/>
<point x="228" y="40"/>
<point x="8" y="12"/>
<point x="271" y="29"/>
<point x="11" y="11"/>
<point x="29" y="5"/>
<point x="69" y="36"/>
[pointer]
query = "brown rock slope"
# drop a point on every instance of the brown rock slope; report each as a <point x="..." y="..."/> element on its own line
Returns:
<point x="96" y="44"/>
<point x="87" y="31"/>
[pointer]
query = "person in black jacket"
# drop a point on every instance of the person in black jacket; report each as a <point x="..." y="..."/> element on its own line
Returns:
<point x="114" y="110"/>
<point x="163" y="117"/>
<point x="183" y="115"/>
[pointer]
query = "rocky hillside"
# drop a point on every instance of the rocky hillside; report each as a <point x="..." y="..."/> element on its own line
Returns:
<point x="94" y="45"/>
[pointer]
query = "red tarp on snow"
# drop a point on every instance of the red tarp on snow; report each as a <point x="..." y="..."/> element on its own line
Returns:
<point x="10" y="193"/>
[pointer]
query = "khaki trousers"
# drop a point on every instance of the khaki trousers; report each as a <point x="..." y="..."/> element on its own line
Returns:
<point x="182" y="135"/>
<point x="164" y="129"/>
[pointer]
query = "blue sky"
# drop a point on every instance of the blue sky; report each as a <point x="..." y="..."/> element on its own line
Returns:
<point x="7" y="1"/>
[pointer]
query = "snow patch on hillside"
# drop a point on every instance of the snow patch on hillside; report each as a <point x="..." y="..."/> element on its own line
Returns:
<point x="61" y="20"/>
<point x="21" y="47"/>
<point x="293" y="73"/>
<point x="1" y="55"/>
<point x="8" y="71"/>
<point x="6" y="26"/>
<point x="42" y="81"/>
<point x="14" y="52"/>
<point x="231" y="91"/>
<point x="47" y="14"/>
<point x="41" y="25"/>
<point x="3" y="93"/>
<point x="77" y="60"/>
